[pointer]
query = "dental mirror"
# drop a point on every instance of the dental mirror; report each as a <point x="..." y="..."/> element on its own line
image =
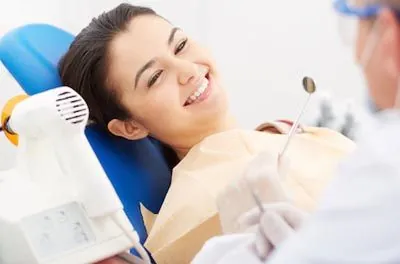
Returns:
<point x="310" y="87"/>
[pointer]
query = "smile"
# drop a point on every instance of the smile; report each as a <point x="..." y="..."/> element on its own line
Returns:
<point x="201" y="93"/>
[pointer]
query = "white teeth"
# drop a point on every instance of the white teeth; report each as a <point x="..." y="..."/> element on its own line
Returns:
<point x="200" y="90"/>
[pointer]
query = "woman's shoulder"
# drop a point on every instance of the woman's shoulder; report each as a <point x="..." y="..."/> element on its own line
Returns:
<point x="327" y="135"/>
<point x="231" y="145"/>
<point x="285" y="126"/>
<point x="279" y="127"/>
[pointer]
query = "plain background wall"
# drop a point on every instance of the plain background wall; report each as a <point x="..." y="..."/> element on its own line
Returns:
<point x="263" y="49"/>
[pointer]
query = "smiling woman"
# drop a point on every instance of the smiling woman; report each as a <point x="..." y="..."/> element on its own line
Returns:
<point x="152" y="74"/>
<point x="141" y="76"/>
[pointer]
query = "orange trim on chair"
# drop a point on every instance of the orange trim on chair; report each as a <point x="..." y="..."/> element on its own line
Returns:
<point x="6" y="113"/>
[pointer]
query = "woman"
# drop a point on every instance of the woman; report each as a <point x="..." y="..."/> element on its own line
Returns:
<point x="141" y="76"/>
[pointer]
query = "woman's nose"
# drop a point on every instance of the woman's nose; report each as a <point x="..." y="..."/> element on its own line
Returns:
<point x="187" y="72"/>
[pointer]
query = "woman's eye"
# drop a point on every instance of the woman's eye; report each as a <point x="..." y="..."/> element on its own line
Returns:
<point x="180" y="46"/>
<point x="154" y="78"/>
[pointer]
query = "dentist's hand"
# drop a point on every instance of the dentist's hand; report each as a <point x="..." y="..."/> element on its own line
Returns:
<point x="264" y="174"/>
<point x="274" y="226"/>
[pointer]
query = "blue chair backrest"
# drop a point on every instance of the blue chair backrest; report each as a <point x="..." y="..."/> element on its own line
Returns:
<point x="137" y="169"/>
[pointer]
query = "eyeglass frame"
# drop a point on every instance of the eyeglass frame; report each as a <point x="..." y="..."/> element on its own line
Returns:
<point x="369" y="11"/>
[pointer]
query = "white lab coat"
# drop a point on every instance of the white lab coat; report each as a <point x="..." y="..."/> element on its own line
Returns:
<point x="358" y="220"/>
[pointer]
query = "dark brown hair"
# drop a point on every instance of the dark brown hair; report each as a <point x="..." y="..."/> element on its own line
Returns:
<point x="84" y="67"/>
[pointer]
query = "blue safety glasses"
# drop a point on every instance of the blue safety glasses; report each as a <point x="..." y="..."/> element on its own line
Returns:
<point x="349" y="13"/>
<point x="356" y="8"/>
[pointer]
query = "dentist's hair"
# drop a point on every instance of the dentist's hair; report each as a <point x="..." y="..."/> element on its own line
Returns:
<point x="84" y="67"/>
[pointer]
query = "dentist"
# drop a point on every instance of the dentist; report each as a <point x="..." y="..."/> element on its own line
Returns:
<point x="358" y="218"/>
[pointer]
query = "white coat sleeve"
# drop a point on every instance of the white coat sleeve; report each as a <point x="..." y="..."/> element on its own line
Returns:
<point x="358" y="220"/>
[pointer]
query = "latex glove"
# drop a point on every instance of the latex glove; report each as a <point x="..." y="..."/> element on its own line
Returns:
<point x="274" y="226"/>
<point x="264" y="176"/>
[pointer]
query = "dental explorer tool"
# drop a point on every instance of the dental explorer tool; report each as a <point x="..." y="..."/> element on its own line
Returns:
<point x="310" y="87"/>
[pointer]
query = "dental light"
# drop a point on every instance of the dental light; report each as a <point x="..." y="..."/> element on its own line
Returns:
<point x="57" y="205"/>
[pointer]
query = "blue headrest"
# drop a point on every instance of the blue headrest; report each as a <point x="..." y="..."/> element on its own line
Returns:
<point x="137" y="169"/>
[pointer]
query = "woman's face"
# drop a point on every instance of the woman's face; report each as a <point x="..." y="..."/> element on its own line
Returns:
<point x="167" y="82"/>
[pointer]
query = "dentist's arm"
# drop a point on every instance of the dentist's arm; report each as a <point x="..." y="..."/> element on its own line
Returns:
<point x="358" y="218"/>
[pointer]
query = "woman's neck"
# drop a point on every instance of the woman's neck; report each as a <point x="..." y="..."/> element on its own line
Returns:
<point x="229" y="124"/>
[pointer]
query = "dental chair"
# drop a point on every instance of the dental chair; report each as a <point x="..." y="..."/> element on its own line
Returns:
<point x="138" y="170"/>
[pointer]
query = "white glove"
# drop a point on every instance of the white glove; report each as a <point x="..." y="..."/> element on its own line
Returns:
<point x="264" y="177"/>
<point x="274" y="226"/>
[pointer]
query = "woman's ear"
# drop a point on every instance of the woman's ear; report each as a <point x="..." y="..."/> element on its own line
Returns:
<point x="127" y="129"/>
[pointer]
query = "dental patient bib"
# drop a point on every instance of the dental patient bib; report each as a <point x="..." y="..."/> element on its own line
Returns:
<point x="189" y="214"/>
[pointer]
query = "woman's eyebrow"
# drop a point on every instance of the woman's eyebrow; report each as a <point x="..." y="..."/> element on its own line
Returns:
<point x="152" y="61"/>
<point x="172" y="35"/>
<point x="143" y="69"/>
